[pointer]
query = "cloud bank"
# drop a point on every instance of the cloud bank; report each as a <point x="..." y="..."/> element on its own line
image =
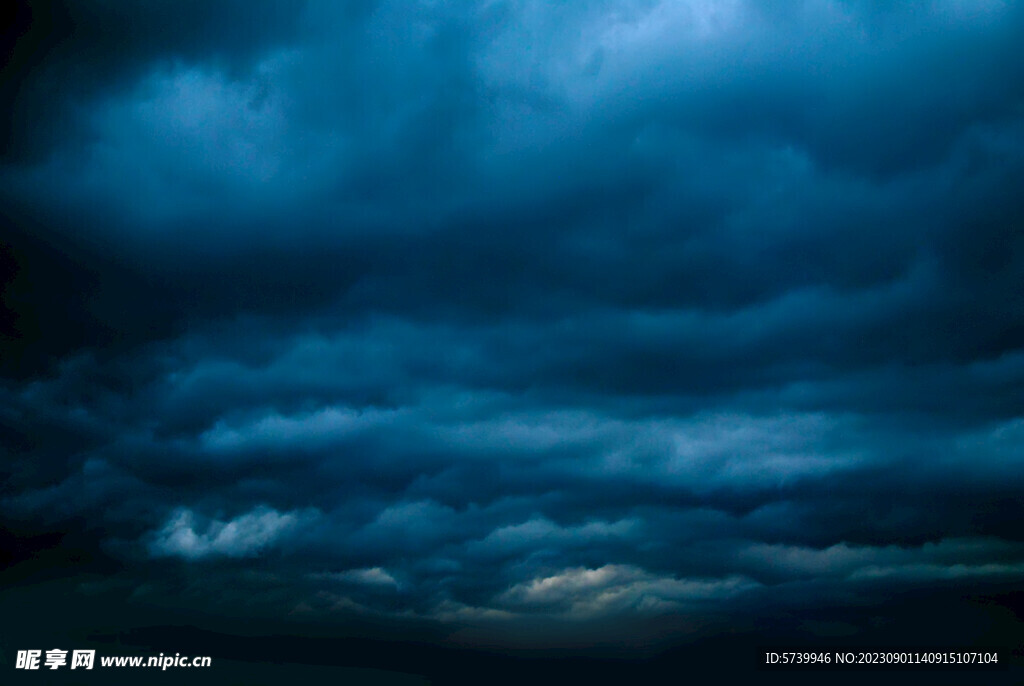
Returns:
<point x="502" y="313"/>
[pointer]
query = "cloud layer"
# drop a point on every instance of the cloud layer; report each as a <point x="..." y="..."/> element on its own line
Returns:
<point x="503" y="314"/>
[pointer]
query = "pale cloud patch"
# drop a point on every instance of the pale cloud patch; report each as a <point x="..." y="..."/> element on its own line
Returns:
<point x="540" y="531"/>
<point x="186" y="535"/>
<point x="581" y="593"/>
<point x="276" y="431"/>
<point x="370" y="576"/>
<point x="945" y="559"/>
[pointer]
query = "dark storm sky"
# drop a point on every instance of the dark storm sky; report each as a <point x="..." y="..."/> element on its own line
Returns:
<point x="514" y="314"/>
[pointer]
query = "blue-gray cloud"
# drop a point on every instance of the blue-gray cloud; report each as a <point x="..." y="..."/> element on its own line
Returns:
<point x="518" y="318"/>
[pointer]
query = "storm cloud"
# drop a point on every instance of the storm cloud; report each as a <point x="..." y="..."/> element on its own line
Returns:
<point x="522" y="321"/>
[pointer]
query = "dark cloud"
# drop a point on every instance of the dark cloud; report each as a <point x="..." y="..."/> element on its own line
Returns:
<point x="630" y="324"/>
<point x="61" y="57"/>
